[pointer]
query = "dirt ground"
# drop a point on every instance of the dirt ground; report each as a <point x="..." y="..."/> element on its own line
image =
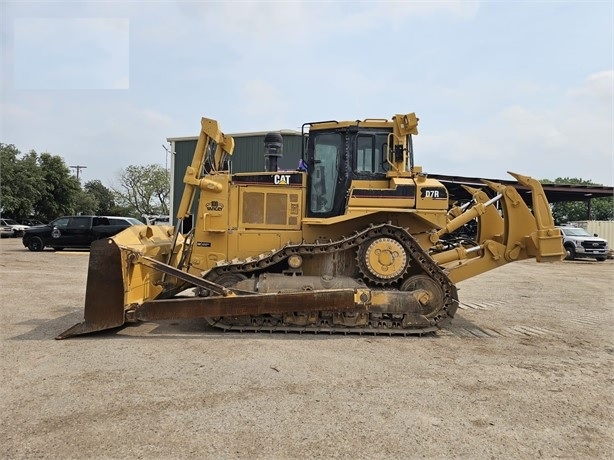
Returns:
<point x="524" y="371"/>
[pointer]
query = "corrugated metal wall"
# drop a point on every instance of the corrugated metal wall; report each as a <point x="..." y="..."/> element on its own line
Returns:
<point x="248" y="156"/>
<point x="249" y="153"/>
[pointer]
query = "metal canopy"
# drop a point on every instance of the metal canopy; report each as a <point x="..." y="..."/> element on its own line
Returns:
<point x="554" y="192"/>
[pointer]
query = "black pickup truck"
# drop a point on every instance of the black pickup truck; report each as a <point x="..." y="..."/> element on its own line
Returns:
<point x="74" y="231"/>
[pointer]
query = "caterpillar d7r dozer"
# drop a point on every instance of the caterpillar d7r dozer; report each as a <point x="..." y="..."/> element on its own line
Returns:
<point x="358" y="239"/>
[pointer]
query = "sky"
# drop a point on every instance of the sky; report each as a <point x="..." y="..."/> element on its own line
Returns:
<point x="523" y="86"/>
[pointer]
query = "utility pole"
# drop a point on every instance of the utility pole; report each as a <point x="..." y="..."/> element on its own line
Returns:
<point x="78" y="168"/>
<point x="168" y="178"/>
<point x="168" y="152"/>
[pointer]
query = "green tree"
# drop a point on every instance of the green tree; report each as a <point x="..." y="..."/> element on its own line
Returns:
<point x="104" y="197"/>
<point x="60" y="190"/>
<point x="570" y="211"/>
<point x="86" y="203"/>
<point x="19" y="182"/>
<point x="146" y="189"/>
<point x="43" y="186"/>
<point x="33" y="184"/>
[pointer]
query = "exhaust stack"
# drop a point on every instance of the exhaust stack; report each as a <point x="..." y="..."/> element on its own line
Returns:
<point x="273" y="150"/>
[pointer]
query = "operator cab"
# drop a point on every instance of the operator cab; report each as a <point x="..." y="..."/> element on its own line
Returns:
<point x="336" y="157"/>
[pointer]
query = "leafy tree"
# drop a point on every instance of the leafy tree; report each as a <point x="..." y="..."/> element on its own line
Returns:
<point x="146" y="189"/>
<point x="86" y="203"/>
<point x="60" y="189"/>
<point x="104" y="197"/>
<point x="33" y="184"/>
<point x="20" y="182"/>
<point x="570" y="211"/>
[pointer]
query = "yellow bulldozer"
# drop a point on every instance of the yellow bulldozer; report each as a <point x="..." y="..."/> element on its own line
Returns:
<point x="356" y="240"/>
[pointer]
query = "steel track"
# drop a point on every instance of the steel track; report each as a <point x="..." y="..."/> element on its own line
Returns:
<point x="378" y="323"/>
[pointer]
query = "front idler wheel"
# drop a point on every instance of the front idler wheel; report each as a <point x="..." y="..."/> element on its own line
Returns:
<point x="428" y="291"/>
<point x="227" y="280"/>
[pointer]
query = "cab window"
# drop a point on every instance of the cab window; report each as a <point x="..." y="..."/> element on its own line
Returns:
<point x="370" y="153"/>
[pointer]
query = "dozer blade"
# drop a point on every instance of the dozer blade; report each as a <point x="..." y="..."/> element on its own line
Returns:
<point x="114" y="282"/>
<point x="104" y="295"/>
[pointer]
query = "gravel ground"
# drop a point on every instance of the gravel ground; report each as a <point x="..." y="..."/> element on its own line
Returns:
<point x="524" y="371"/>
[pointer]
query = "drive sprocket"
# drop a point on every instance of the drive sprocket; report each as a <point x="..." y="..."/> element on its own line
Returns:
<point x="382" y="260"/>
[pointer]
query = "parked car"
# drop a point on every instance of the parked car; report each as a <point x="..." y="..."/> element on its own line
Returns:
<point x="579" y="243"/>
<point x="17" y="228"/>
<point x="75" y="231"/>
<point x="157" y="219"/>
<point x="6" y="231"/>
<point x="31" y="222"/>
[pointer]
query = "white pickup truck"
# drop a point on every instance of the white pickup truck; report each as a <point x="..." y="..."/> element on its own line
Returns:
<point x="579" y="243"/>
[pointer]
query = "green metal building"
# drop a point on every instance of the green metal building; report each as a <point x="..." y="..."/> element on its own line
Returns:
<point x="248" y="156"/>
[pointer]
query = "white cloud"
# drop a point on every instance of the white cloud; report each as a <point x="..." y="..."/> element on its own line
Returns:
<point x="570" y="139"/>
<point x="597" y="92"/>
<point x="262" y="98"/>
<point x="286" y="24"/>
<point x="254" y="21"/>
<point x="360" y="17"/>
<point x="107" y="137"/>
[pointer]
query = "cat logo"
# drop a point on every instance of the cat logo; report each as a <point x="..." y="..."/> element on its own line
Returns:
<point x="281" y="179"/>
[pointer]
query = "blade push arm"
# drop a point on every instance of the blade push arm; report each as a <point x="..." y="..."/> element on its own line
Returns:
<point x="212" y="145"/>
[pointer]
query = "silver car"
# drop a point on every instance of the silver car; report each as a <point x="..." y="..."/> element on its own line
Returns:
<point x="6" y="231"/>
<point x="16" y="228"/>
